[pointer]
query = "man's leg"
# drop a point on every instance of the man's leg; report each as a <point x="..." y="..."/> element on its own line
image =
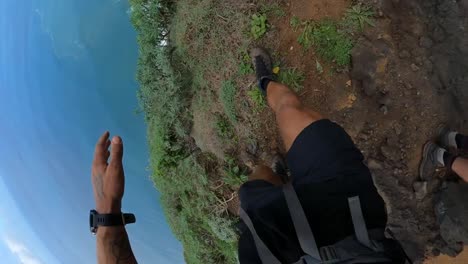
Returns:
<point x="262" y="172"/>
<point x="460" y="167"/>
<point x="291" y="115"/>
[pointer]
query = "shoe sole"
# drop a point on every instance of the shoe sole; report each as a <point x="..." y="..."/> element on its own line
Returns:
<point x="425" y="154"/>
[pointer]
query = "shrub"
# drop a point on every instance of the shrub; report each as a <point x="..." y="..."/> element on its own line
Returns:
<point x="258" y="25"/>
<point x="359" y="16"/>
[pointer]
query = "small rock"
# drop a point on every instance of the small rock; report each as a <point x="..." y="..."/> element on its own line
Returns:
<point x="420" y="190"/>
<point x="417" y="52"/>
<point x="428" y="66"/>
<point x="384" y="109"/>
<point x="404" y="54"/>
<point x="425" y="42"/>
<point x="438" y="34"/>
<point x="247" y="159"/>
<point x="364" y="136"/>
<point x="252" y="148"/>
<point x="398" y="129"/>
<point x="414" y="67"/>
<point x="418" y="60"/>
<point x="369" y="87"/>
<point x="390" y="153"/>
<point x="385" y="100"/>
<point x="374" y="164"/>
<point x="452" y="215"/>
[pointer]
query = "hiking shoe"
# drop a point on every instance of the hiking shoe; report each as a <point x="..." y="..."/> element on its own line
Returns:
<point x="446" y="137"/>
<point x="430" y="162"/>
<point x="263" y="67"/>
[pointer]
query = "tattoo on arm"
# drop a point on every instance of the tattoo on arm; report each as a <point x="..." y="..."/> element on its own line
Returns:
<point x="121" y="249"/>
<point x="113" y="246"/>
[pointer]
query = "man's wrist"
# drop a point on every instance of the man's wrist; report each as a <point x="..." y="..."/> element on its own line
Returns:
<point x="104" y="232"/>
<point x="109" y="208"/>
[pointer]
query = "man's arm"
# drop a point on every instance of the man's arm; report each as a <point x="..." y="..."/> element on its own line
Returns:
<point x="108" y="181"/>
<point x="113" y="245"/>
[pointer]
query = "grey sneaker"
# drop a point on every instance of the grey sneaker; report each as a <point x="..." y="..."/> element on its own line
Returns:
<point x="263" y="67"/>
<point x="446" y="138"/>
<point x="429" y="162"/>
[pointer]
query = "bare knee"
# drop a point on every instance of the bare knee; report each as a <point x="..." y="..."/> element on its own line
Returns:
<point x="288" y="101"/>
<point x="262" y="172"/>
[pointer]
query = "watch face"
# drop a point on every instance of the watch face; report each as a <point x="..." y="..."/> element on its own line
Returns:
<point x="92" y="223"/>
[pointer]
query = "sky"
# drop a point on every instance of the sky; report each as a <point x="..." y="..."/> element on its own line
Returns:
<point x="67" y="72"/>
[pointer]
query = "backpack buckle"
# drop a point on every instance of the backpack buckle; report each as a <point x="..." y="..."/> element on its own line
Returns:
<point x="328" y="254"/>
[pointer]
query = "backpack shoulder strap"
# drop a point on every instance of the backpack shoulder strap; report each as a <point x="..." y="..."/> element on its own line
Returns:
<point x="301" y="225"/>
<point x="263" y="252"/>
<point x="359" y="223"/>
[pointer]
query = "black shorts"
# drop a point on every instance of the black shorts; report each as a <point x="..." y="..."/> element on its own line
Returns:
<point x="326" y="169"/>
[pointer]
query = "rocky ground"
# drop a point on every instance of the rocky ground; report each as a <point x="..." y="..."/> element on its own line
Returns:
<point x="409" y="75"/>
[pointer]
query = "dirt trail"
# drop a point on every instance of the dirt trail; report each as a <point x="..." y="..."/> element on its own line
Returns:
<point x="409" y="75"/>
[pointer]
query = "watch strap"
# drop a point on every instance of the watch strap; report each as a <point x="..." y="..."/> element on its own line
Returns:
<point x="121" y="219"/>
<point x="114" y="219"/>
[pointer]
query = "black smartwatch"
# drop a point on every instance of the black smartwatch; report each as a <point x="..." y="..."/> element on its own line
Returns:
<point x="96" y="220"/>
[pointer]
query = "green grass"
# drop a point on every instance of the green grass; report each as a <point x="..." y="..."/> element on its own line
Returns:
<point x="228" y="100"/>
<point x="273" y="9"/>
<point x="305" y="39"/>
<point x="359" y="16"/>
<point x="293" y="78"/>
<point x="256" y="96"/>
<point x="180" y="51"/>
<point x="332" y="44"/>
<point x="224" y="128"/>
<point x="333" y="40"/>
<point x="193" y="213"/>
<point x="245" y="66"/>
<point x="234" y="175"/>
<point x="295" y="22"/>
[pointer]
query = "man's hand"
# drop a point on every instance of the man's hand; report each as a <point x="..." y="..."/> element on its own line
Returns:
<point x="108" y="177"/>
<point x="108" y="184"/>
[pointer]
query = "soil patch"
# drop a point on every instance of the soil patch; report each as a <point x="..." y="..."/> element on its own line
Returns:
<point x="306" y="9"/>
<point x="408" y="74"/>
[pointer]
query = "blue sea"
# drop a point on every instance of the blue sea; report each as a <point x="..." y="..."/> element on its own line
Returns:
<point x="67" y="75"/>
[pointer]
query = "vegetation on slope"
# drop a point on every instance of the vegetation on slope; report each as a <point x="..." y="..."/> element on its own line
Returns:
<point x="166" y="87"/>
<point x="193" y="58"/>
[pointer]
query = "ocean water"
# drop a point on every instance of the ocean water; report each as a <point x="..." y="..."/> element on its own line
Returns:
<point x="68" y="70"/>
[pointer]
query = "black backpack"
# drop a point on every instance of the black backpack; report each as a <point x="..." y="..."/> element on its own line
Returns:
<point x="366" y="246"/>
